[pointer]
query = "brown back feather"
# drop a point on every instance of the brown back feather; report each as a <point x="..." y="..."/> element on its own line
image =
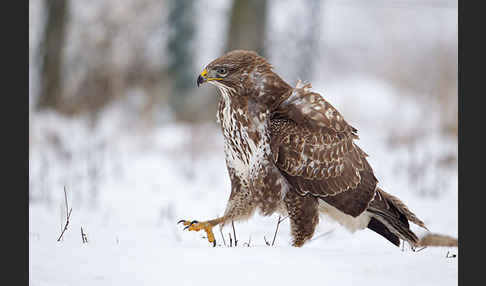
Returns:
<point x="313" y="146"/>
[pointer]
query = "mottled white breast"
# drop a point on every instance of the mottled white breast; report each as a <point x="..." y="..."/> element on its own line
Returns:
<point x="244" y="154"/>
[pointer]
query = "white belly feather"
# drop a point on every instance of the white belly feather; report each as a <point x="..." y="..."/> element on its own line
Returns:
<point x="349" y="222"/>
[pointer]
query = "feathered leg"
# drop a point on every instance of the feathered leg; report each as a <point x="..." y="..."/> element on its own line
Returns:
<point x="304" y="216"/>
<point x="239" y="207"/>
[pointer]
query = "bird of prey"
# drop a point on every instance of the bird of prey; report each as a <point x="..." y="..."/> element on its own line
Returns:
<point x="289" y="151"/>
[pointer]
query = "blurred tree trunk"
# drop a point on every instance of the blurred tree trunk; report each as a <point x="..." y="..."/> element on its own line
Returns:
<point x="181" y="56"/>
<point x="309" y="47"/>
<point x="51" y="53"/>
<point x="247" y="25"/>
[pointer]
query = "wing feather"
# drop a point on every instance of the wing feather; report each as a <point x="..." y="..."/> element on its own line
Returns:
<point x="314" y="147"/>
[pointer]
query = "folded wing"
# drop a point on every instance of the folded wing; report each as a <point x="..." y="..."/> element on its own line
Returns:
<point x="313" y="145"/>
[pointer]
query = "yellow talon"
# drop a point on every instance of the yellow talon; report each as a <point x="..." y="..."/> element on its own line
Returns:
<point x="197" y="226"/>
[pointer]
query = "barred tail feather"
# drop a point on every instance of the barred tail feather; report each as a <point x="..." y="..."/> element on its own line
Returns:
<point x="397" y="203"/>
<point x="390" y="218"/>
<point x="391" y="228"/>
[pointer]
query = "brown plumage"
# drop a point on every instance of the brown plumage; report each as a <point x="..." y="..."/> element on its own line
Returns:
<point x="290" y="151"/>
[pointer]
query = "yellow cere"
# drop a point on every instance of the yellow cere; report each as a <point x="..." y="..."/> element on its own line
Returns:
<point x="204" y="74"/>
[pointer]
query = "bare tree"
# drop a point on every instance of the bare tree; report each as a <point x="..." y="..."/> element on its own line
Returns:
<point x="309" y="47"/>
<point x="247" y="25"/>
<point x="181" y="54"/>
<point x="51" y="53"/>
<point x="247" y="28"/>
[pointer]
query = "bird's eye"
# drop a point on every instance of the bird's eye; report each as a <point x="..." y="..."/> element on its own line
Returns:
<point x="222" y="71"/>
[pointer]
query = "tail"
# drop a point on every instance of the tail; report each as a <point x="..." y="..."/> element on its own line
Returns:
<point x="390" y="218"/>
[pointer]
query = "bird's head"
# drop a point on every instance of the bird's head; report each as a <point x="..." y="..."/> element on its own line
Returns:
<point x="241" y="73"/>
<point x="230" y="69"/>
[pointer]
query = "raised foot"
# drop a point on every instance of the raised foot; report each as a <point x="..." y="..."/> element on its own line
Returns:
<point x="197" y="226"/>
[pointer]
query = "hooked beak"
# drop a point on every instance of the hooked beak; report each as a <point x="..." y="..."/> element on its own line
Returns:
<point x="202" y="78"/>
<point x="205" y="77"/>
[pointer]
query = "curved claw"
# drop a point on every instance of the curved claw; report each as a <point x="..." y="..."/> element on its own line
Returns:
<point x="197" y="226"/>
<point x="186" y="222"/>
<point x="189" y="224"/>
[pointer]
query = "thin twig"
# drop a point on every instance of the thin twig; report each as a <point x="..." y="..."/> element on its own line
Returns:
<point x="323" y="234"/>
<point x="234" y="233"/>
<point x="61" y="222"/>
<point x="247" y="243"/>
<point x="420" y="249"/>
<point x="222" y="236"/>
<point x="84" y="237"/>
<point x="276" y="229"/>
<point x="266" y="242"/>
<point x="450" y="256"/>
<point x="67" y="216"/>
<point x="65" y="199"/>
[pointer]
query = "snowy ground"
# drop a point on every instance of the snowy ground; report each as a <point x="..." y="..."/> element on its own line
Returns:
<point x="128" y="186"/>
<point x="138" y="252"/>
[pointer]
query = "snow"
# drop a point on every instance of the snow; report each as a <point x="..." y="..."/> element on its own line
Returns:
<point x="150" y="258"/>
<point x="128" y="185"/>
<point x="151" y="254"/>
<point x="129" y="182"/>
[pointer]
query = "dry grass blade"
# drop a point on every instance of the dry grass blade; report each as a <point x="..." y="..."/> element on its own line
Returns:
<point x="276" y="229"/>
<point x="68" y="216"/>
<point x="84" y="237"/>
<point x="323" y="234"/>
<point x="222" y="236"/>
<point x="266" y="242"/>
<point x="450" y="256"/>
<point x="247" y="243"/>
<point x="234" y="233"/>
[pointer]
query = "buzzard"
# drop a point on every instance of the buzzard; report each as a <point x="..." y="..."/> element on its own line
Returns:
<point x="289" y="151"/>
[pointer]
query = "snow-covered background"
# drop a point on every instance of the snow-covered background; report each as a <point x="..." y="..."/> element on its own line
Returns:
<point x="128" y="187"/>
<point x="129" y="182"/>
